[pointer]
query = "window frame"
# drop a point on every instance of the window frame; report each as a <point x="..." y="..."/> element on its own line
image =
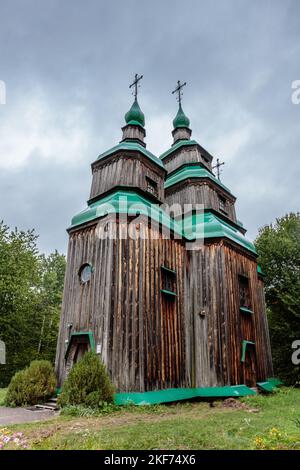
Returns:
<point x="152" y="186"/>
<point x="245" y="304"/>
<point x="80" y="272"/>
<point x="222" y="204"/>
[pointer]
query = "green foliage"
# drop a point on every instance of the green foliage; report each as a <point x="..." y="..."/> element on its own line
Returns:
<point x="278" y="246"/>
<point x="31" y="288"/>
<point x="31" y="385"/>
<point x="87" y="411"/>
<point x="2" y="396"/>
<point x="52" y="273"/>
<point x="269" y="422"/>
<point x="87" y="384"/>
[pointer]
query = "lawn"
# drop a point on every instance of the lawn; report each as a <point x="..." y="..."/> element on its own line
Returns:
<point x="260" y="422"/>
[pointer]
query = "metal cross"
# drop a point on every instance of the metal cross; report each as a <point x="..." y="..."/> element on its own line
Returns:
<point x="135" y="84"/>
<point x="217" y="166"/>
<point x="178" y="91"/>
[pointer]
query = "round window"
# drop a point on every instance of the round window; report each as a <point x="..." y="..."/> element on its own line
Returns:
<point x="85" y="273"/>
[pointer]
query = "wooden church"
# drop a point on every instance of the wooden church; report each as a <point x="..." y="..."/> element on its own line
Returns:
<point x="168" y="299"/>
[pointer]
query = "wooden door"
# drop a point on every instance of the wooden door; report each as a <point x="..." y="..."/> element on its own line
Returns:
<point x="78" y="348"/>
<point x="170" y="360"/>
<point x="249" y="367"/>
<point x="81" y="349"/>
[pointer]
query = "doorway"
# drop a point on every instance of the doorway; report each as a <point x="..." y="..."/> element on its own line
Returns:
<point x="81" y="349"/>
<point x="79" y="344"/>
<point x="249" y="363"/>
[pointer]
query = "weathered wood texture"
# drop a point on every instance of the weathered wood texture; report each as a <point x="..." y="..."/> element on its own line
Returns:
<point x="200" y="192"/>
<point x="128" y="170"/>
<point x="150" y="340"/>
<point x="190" y="154"/>
<point x="213" y="315"/>
<point x="139" y="329"/>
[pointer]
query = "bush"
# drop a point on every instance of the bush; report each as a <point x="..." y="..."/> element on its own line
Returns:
<point x="87" y="384"/>
<point x="32" y="385"/>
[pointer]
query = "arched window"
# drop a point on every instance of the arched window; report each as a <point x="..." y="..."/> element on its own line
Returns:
<point x="85" y="273"/>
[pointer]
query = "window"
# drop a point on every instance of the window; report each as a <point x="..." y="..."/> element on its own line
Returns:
<point x="244" y="290"/>
<point x="85" y="273"/>
<point x="152" y="186"/>
<point x="246" y="345"/>
<point x="222" y="204"/>
<point x="168" y="281"/>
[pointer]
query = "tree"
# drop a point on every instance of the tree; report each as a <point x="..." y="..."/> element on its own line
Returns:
<point x="52" y="273"/>
<point x="30" y="296"/>
<point x="278" y="246"/>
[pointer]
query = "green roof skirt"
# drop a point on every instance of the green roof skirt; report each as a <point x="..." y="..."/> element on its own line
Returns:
<point x="178" y="394"/>
<point x="268" y="387"/>
<point x="192" y="171"/>
<point x="275" y="381"/>
<point x="214" y="227"/>
<point x="134" y="146"/>
<point x="126" y="202"/>
<point x="193" y="226"/>
<point x="179" y="144"/>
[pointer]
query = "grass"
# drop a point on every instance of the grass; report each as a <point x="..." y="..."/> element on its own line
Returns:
<point x="259" y="422"/>
<point x="2" y="396"/>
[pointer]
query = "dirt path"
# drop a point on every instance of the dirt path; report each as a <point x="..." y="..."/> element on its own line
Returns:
<point x="21" y="415"/>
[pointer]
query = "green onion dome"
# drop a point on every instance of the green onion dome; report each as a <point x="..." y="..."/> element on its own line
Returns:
<point x="135" y="115"/>
<point x="181" y="120"/>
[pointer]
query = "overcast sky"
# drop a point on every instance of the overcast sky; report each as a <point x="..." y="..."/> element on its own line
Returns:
<point x="67" y="65"/>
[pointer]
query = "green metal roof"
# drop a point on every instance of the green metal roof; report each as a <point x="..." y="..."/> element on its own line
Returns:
<point x="126" y="202"/>
<point x="168" y="292"/>
<point x="244" y="348"/>
<point x="213" y="227"/>
<point x="275" y="381"/>
<point x="194" y="226"/>
<point x="134" y="146"/>
<point x="259" y="270"/>
<point x="179" y="144"/>
<point x="192" y="171"/>
<point x="180" y="120"/>
<point x="90" y="336"/>
<point x="268" y="387"/>
<point x="246" y="310"/>
<point x="135" y="115"/>
<point x="178" y="394"/>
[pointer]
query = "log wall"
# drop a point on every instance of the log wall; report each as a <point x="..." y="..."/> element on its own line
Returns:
<point x="130" y="171"/>
<point x="149" y="340"/>
<point x="213" y="314"/>
<point x="139" y="328"/>
<point x="191" y="154"/>
<point x="192" y="192"/>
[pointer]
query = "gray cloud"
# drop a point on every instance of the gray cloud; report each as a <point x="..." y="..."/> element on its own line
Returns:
<point x="67" y="67"/>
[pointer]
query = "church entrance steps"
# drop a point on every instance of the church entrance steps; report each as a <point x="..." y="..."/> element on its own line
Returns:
<point x="50" y="405"/>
